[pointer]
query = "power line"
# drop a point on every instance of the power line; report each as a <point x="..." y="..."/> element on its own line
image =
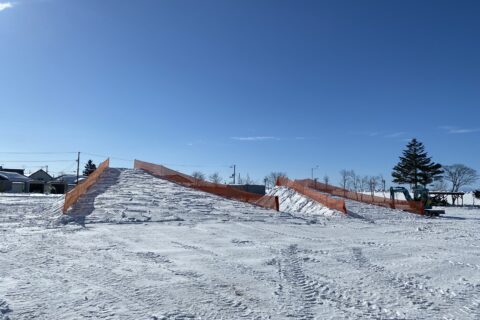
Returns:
<point x="195" y="166"/>
<point x="51" y="152"/>
<point x="104" y="156"/>
<point x="35" y="161"/>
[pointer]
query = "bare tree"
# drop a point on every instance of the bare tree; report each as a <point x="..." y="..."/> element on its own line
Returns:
<point x="373" y="184"/>
<point x="354" y="181"/>
<point x="365" y="183"/>
<point x="215" y="177"/>
<point x="326" y="179"/>
<point x="198" y="175"/>
<point x="248" y="180"/>
<point x="382" y="182"/>
<point x="440" y="185"/>
<point x="459" y="176"/>
<point x="344" y="178"/>
<point x="271" y="178"/>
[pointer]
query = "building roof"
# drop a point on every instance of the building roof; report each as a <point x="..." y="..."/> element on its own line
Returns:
<point x="69" y="178"/>
<point x="41" y="172"/>
<point x="19" y="171"/>
<point x="13" y="176"/>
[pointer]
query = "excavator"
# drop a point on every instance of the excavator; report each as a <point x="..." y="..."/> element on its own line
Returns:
<point x="420" y="194"/>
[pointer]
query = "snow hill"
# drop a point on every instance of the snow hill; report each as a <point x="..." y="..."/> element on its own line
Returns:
<point x="131" y="195"/>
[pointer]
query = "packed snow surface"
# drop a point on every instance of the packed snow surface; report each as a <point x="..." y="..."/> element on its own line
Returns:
<point x="145" y="248"/>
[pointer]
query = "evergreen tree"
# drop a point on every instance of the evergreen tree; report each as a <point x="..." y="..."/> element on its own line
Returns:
<point x="89" y="168"/>
<point x="416" y="167"/>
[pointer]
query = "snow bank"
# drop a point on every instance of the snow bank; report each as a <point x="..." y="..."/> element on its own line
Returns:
<point x="296" y="203"/>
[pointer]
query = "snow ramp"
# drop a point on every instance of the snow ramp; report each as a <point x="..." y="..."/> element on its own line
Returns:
<point x="133" y="196"/>
<point x="410" y="206"/>
<point x="296" y="203"/>
<point x="73" y="195"/>
<point x="336" y="204"/>
<point x="218" y="189"/>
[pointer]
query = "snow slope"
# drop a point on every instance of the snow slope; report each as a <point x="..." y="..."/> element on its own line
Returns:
<point x="224" y="259"/>
<point x="297" y="204"/>
<point x="126" y="195"/>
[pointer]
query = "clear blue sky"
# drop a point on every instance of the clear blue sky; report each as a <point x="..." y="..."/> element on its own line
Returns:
<point x="267" y="85"/>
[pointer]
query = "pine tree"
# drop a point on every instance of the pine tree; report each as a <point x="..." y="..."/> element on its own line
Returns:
<point x="89" y="168"/>
<point x="416" y="167"/>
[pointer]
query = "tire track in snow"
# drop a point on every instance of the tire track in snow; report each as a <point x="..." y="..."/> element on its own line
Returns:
<point x="316" y="293"/>
<point x="220" y="292"/>
<point x="108" y="284"/>
<point x="297" y="293"/>
<point x="421" y="295"/>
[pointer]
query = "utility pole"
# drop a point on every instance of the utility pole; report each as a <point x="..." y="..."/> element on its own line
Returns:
<point x="78" y="166"/>
<point x="46" y="168"/>
<point x="234" y="173"/>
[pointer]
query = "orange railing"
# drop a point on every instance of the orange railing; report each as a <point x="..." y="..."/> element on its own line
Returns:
<point x="336" y="204"/>
<point x="219" y="189"/>
<point x="411" y="206"/>
<point x="73" y="195"/>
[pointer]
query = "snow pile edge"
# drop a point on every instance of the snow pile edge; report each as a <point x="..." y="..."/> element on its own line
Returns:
<point x="296" y="203"/>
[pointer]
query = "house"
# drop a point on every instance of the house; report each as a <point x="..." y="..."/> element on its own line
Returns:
<point x="41" y="175"/>
<point x="19" y="171"/>
<point x="39" y="180"/>
<point x="64" y="183"/>
<point x="14" y="182"/>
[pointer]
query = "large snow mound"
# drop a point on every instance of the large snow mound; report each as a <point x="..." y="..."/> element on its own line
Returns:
<point x="130" y="195"/>
<point x="296" y="203"/>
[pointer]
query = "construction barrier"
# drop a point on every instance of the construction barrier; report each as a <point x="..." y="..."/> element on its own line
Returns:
<point x="80" y="189"/>
<point x="410" y="206"/>
<point x="336" y="204"/>
<point x="219" y="189"/>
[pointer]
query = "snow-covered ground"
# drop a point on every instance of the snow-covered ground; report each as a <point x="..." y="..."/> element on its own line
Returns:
<point x="150" y="249"/>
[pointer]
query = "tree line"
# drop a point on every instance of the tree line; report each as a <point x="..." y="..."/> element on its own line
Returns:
<point x="414" y="168"/>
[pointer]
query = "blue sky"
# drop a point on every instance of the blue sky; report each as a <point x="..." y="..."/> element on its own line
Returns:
<point x="267" y="85"/>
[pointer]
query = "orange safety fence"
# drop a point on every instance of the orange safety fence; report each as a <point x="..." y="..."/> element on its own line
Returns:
<point x="219" y="189"/>
<point x="411" y="206"/>
<point x="336" y="204"/>
<point x="73" y="195"/>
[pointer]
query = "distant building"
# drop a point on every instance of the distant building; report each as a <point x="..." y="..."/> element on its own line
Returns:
<point x="39" y="180"/>
<point x="64" y="183"/>
<point x="252" y="188"/>
<point x="14" y="182"/>
<point x="19" y="171"/>
<point x="41" y="175"/>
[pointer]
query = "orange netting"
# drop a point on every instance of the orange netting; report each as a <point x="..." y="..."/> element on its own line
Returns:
<point x="411" y="206"/>
<point x="72" y="196"/>
<point x="223" y="190"/>
<point x="337" y="204"/>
